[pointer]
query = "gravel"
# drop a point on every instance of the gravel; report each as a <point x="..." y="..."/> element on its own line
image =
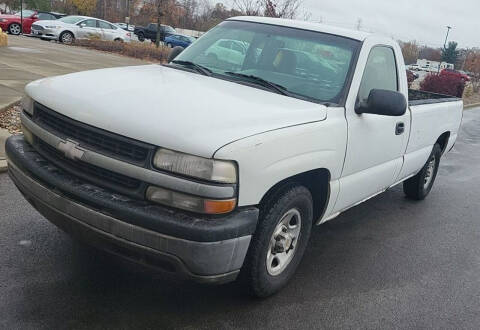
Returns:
<point x="10" y="119"/>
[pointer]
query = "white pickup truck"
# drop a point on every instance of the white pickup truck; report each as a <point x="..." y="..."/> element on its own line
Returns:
<point x="210" y="168"/>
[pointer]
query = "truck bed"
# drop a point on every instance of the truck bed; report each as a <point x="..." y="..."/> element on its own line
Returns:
<point x="416" y="97"/>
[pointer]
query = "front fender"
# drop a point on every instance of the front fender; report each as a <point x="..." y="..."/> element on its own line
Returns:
<point x="269" y="158"/>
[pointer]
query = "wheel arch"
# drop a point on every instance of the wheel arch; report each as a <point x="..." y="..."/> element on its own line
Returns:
<point x="443" y="141"/>
<point x="9" y="25"/>
<point x="66" y="31"/>
<point x="316" y="181"/>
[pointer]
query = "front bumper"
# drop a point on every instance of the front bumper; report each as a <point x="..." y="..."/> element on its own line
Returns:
<point x="45" y="34"/>
<point x="201" y="249"/>
<point x="4" y="26"/>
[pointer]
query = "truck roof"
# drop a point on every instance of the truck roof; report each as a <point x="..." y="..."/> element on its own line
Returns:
<point x="318" y="27"/>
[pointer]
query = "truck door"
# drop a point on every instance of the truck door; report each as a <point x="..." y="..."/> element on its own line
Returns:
<point x="376" y="144"/>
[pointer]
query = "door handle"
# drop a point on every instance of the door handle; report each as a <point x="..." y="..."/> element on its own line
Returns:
<point x="400" y="128"/>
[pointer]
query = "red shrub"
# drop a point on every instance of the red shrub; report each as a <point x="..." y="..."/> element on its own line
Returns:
<point x="443" y="84"/>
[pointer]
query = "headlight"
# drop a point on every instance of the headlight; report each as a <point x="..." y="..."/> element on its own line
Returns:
<point x="197" y="167"/>
<point x="188" y="202"/>
<point x="52" y="27"/>
<point x="27" y="104"/>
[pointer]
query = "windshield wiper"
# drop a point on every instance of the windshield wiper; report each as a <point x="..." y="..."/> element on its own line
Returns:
<point x="197" y="67"/>
<point x="265" y="83"/>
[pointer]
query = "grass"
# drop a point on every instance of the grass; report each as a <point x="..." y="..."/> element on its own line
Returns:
<point x="141" y="50"/>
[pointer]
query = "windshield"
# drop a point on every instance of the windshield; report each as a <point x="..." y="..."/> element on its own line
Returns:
<point x="71" y="19"/>
<point x="310" y="65"/>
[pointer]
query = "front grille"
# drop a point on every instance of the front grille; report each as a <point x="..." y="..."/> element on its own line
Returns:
<point x="89" y="172"/>
<point x="92" y="138"/>
<point x="37" y="27"/>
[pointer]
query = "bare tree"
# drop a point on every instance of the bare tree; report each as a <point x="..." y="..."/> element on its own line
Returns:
<point x="281" y="8"/>
<point x="472" y="65"/>
<point x="248" y="7"/>
<point x="271" y="8"/>
<point x="410" y="51"/>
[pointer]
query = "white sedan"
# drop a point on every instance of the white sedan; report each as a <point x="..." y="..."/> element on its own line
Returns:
<point x="69" y="28"/>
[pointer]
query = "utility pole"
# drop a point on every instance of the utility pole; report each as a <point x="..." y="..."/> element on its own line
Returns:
<point x="159" y="26"/>
<point x="444" y="47"/>
<point x="127" y="18"/>
<point x="359" y="24"/>
<point x="21" y="16"/>
<point x="446" y="38"/>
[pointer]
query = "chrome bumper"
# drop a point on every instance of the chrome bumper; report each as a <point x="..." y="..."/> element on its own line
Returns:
<point x="207" y="262"/>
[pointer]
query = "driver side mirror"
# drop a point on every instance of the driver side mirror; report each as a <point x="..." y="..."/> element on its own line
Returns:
<point x="82" y="25"/>
<point x="174" y="53"/>
<point x="383" y="102"/>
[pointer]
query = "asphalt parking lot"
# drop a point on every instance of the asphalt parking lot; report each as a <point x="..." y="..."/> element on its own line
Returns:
<point x="27" y="59"/>
<point x="388" y="263"/>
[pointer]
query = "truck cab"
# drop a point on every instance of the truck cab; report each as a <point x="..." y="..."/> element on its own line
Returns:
<point x="307" y="122"/>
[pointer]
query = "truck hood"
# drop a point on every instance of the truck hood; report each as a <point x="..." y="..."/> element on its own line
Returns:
<point x="171" y="108"/>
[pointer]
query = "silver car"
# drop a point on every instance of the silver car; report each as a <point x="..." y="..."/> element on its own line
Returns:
<point x="69" y="28"/>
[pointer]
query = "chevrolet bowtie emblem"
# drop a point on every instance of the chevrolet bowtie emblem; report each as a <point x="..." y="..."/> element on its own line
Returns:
<point x="70" y="149"/>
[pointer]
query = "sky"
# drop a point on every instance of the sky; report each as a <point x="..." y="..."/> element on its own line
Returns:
<point x="421" y="20"/>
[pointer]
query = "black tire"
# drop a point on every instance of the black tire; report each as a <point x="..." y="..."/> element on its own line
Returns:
<point x="141" y="36"/>
<point x="419" y="186"/>
<point x="66" y="38"/>
<point x="14" y="29"/>
<point x="256" y="276"/>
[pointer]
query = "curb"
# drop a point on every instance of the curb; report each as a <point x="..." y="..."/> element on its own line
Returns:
<point x="3" y="161"/>
<point x="465" y="107"/>
<point x="2" y="109"/>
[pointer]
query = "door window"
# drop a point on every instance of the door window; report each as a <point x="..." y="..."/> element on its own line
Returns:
<point x="91" y="23"/>
<point x="380" y="72"/>
<point x="46" y="16"/>
<point x="105" y="25"/>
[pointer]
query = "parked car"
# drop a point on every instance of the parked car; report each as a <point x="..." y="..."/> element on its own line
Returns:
<point x="150" y="32"/>
<point x="13" y="23"/>
<point x="69" y="28"/>
<point x="450" y="72"/>
<point x="228" y="51"/>
<point x="174" y="40"/>
<point x="126" y="27"/>
<point x="231" y="178"/>
<point x="414" y="67"/>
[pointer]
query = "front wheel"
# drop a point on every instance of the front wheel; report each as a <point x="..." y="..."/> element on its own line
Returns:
<point x="419" y="186"/>
<point x="66" y="38"/>
<point x="280" y="240"/>
<point x="15" y="29"/>
<point x="141" y="37"/>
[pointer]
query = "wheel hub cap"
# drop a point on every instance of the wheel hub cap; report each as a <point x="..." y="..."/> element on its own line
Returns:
<point x="283" y="242"/>
<point x="429" y="172"/>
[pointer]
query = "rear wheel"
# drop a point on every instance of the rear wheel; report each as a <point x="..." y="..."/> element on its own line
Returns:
<point x="66" y="38"/>
<point x="15" y="29"/>
<point x="141" y="36"/>
<point x="280" y="240"/>
<point x="419" y="186"/>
